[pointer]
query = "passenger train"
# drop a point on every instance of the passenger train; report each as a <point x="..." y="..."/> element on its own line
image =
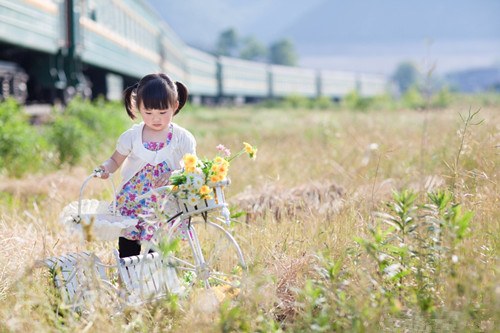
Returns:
<point x="54" y="49"/>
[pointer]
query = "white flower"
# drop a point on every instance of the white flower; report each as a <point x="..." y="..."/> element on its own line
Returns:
<point x="192" y="199"/>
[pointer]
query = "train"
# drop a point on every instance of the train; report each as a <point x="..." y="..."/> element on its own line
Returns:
<point x="53" y="50"/>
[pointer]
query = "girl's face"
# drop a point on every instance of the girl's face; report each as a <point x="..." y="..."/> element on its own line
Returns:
<point x="157" y="120"/>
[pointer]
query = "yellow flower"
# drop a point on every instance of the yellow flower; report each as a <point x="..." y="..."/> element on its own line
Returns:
<point x="248" y="147"/>
<point x="252" y="151"/>
<point x="214" y="179"/>
<point x="219" y="160"/>
<point x="205" y="190"/>
<point x="189" y="160"/>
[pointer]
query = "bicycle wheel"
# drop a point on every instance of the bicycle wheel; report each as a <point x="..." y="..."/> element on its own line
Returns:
<point x="207" y="255"/>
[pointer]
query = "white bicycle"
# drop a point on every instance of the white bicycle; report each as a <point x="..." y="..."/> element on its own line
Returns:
<point x="196" y="243"/>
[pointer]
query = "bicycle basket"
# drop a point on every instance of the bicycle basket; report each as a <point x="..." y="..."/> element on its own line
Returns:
<point x="105" y="225"/>
<point x="217" y="202"/>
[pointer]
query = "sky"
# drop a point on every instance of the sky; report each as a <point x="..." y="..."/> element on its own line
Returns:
<point x="355" y="35"/>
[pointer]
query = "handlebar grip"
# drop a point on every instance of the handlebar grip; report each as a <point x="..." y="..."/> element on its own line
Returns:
<point x="98" y="172"/>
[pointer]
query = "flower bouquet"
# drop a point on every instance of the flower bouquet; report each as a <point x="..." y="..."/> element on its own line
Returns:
<point x="199" y="185"/>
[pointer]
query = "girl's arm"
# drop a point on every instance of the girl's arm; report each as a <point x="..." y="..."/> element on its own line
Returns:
<point x="112" y="164"/>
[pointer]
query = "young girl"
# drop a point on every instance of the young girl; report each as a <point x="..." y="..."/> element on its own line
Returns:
<point x="149" y="151"/>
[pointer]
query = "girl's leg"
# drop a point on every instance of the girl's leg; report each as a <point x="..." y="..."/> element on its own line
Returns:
<point x="128" y="248"/>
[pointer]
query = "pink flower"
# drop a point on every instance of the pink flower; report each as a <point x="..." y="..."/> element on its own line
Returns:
<point x="223" y="149"/>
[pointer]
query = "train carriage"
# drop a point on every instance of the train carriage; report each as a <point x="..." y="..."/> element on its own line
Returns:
<point x="372" y="84"/>
<point x="17" y="24"/>
<point x="67" y="47"/>
<point x="286" y="80"/>
<point x="31" y="34"/>
<point x="242" y="80"/>
<point x="120" y="37"/>
<point x="201" y="78"/>
<point x="173" y="54"/>
<point x="336" y="84"/>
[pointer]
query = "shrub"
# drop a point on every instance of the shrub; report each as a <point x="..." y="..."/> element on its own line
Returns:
<point x="71" y="139"/>
<point x="442" y="99"/>
<point x="354" y="101"/>
<point x="324" y="103"/>
<point x="413" y="99"/>
<point x="297" y="101"/>
<point x="86" y="127"/>
<point x="20" y="142"/>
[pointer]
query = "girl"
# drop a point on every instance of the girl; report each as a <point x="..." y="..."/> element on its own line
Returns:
<point x="149" y="151"/>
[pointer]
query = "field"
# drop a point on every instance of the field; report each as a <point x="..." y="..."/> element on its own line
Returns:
<point x="355" y="221"/>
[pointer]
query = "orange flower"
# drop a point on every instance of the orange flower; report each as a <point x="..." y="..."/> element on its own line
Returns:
<point x="222" y="169"/>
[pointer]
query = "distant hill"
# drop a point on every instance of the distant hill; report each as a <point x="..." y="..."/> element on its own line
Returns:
<point x="334" y="25"/>
<point x="475" y="80"/>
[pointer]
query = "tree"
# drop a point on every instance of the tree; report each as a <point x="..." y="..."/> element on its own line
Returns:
<point x="283" y="53"/>
<point x="405" y="76"/>
<point x="227" y="42"/>
<point x="252" y="49"/>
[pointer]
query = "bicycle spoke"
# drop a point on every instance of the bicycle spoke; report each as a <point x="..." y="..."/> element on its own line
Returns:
<point x="184" y="263"/>
<point x="212" y="256"/>
<point x="210" y="253"/>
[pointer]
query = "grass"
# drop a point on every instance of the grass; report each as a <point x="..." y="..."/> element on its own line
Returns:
<point x="319" y="198"/>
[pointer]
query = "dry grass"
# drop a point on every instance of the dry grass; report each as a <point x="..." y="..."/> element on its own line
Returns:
<point x="316" y="181"/>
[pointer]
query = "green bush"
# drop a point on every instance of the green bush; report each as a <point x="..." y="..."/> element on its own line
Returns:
<point x="296" y="101"/>
<point x="86" y="127"/>
<point x="20" y="143"/>
<point x="354" y="101"/>
<point x="442" y="99"/>
<point x="413" y="99"/>
<point x="324" y="103"/>
<point x="70" y="137"/>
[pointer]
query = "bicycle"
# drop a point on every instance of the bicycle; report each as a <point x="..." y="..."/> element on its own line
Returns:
<point x="192" y="246"/>
<point x="203" y="251"/>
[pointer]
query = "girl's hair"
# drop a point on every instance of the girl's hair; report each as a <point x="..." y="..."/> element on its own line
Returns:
<point x="154" y="91"/>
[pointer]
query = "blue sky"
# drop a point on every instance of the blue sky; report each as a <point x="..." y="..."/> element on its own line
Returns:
<point x="360" y="35"/>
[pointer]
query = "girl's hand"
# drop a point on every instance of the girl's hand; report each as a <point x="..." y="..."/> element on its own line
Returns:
<point x="162" y="180"/>
<point x="101" y="172"/>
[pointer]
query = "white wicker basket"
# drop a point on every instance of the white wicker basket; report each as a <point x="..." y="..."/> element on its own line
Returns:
<point x="104" y="225"/>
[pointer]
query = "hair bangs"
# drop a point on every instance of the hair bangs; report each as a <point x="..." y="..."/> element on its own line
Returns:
<point x="156" y="95"/>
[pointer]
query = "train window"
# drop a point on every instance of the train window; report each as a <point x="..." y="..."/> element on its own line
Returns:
<point x="91" y="10"/>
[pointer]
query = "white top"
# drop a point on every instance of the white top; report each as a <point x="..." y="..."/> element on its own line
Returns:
<point x="138" y="156"/>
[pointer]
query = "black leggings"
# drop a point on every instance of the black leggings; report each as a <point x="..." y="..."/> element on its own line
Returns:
<point x="128" y="248"/>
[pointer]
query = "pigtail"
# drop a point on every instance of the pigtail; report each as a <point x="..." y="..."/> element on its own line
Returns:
<point x="182" y="95"/>
<point x="128" y="100"/>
